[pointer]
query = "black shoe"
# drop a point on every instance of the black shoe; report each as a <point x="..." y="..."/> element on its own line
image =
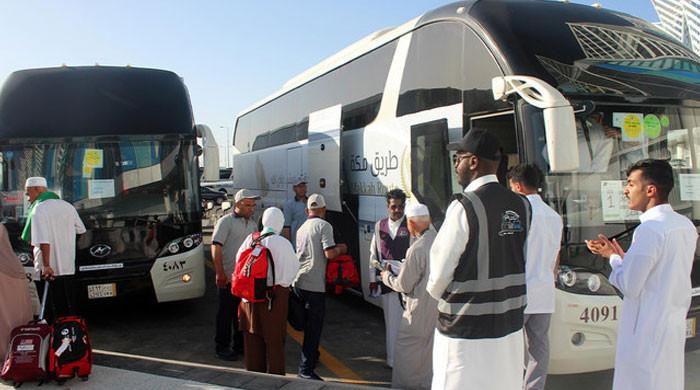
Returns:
<point x="312" y="375"/>
<point x="238" y="349"/>
<point x="227" y="355"/>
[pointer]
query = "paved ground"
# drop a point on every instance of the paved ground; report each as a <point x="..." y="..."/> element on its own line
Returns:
<point x="113" y="378"/>
<point x="352" y="341"/>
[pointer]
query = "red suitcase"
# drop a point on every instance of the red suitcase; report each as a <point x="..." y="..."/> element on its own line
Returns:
<point x="70" y="353"/>
<point x="27" y="352"/>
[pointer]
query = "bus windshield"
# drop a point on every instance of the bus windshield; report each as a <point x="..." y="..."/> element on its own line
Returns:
<point x="105" y="179"/>
<point x="612" y="137"/>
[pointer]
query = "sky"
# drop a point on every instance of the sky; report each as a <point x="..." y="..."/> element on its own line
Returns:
<point x="230" y="53"/>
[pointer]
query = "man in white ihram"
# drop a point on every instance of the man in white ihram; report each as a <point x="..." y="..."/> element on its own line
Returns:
<point x="654" y="277"/>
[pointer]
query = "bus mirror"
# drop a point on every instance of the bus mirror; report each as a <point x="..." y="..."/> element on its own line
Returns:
<point x="210" y="152"/>
<point x="559" y="121"/>
<point x="562" y="142"/>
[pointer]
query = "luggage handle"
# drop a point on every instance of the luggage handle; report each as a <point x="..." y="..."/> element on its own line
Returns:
<point x="43" y="300"/>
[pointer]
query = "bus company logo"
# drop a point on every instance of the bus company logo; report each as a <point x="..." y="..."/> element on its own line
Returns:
<point x="510" y="223"/>
<point x="100" y="250"/>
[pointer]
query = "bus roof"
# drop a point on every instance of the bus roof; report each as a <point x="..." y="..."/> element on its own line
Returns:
<point x="93" y="101"/>
<point x="521" y="32"/>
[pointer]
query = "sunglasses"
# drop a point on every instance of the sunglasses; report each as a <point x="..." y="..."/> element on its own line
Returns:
<point x="396" y="207"/>
<point x="457" y="158"/>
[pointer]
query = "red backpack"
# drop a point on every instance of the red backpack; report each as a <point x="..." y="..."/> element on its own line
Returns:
<point x="341" y="273"/>
<point x="249" y="279"/>
<point x="26" y="358"/>
<point x="71" y="351"/>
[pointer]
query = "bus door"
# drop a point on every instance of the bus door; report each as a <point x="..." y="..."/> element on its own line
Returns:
<point x="502" y="125"/>
<point x="324" y="156"/>
<point x="430" y="167"/>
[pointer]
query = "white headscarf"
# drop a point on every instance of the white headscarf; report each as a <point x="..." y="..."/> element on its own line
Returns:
<point x="273" y="220"/>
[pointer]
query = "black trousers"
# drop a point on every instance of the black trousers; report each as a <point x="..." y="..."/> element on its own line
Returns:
<point x="227" y="319"/>
<point x="62" y="297"/>
<point x="315" y="304"/>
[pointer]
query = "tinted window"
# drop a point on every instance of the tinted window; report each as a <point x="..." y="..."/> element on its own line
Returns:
<point x="83" y="101"/>
<point x="447" y="64"/>
<point x="358" y="86"/>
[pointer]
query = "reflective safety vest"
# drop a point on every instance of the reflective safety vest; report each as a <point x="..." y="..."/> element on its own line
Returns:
<point x="487" y="296"/>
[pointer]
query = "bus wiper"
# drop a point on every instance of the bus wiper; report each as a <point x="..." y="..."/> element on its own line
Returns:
<point x="623" y="233"/>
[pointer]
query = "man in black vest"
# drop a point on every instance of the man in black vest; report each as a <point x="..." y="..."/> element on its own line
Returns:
<point x="477" y="274"/>
<point x="389" y="245"/>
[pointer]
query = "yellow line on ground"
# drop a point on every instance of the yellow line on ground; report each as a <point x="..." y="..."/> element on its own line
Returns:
<point x="331" y="362"/>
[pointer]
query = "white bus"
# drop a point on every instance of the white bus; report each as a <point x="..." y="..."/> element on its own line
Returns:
<point x="580" y="91"/>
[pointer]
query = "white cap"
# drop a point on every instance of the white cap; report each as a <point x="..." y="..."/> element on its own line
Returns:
<point x="416" y="210"/>
<point x="315" y="201"/>
<point x="299" y="180"/>
<point x="245" y="194"/>
<point x="36" y="181"/>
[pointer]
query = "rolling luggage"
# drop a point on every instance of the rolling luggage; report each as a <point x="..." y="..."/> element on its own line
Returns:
<point x="71" y="352"/>
<point x="26" y="358"/>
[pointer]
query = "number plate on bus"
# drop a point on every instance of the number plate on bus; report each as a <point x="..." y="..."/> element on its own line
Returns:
<point x="690" y="327"/>
<point x="107" y="290"/>
<point x="597" y="314"/>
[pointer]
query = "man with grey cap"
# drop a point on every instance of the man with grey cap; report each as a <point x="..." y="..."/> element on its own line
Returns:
<point x="315" y="246"/>
<point x="51" y="228"/>
<point x="295" y="211"/>
<point x="477" y="274"/>
<point x="414" y="343"/>
<point x="229" y="233"/>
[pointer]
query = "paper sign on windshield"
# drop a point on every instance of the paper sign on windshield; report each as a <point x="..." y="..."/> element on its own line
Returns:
<point x="93" y="158"/>
<point x="98" y="189"/>
<point x="690" y="186"/>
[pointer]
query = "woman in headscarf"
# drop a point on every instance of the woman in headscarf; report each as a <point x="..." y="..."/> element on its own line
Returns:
<point x="264" y="325"/>
<point x="15" y="304"/>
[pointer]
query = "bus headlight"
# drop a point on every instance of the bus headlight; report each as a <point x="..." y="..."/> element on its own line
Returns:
<point x="182" y="244"/>
<point x="593" y="283"/>
<point x="567" y="278"/>
<point x="173" y="248"/>
<point x="584" y="281"/>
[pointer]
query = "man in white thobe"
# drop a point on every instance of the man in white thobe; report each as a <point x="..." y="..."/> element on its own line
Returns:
<point x="654" y="277"/>
<point x="477" y="274"/>
<point x="541" y="262"/>
<point x="52" y="226"/>
<point x="414" y="345"/>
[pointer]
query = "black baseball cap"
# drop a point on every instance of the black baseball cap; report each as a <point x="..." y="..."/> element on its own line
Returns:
<point x="480" y="143"/>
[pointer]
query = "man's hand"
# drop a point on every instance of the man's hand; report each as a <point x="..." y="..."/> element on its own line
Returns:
<point x="48" y="273"/>
<point x="385" y="274"/>
<point x="221" y="280"/>
<point x="342" y="248"/>
<point x="611" y="132"/>
<point x="604" y="247"/>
